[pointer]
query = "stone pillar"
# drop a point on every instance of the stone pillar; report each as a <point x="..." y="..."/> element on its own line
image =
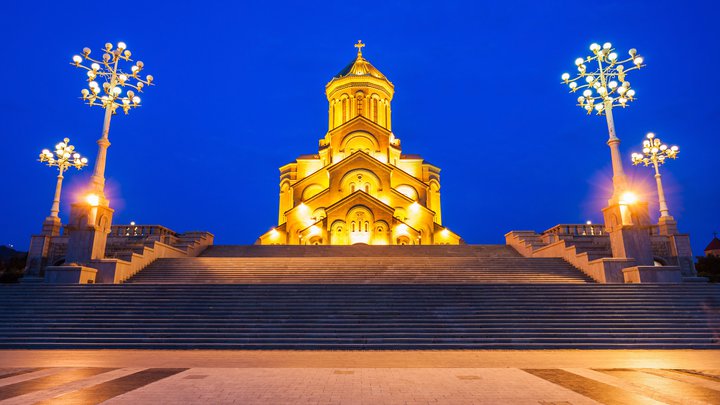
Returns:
<point x="667" y="226"/>
<point x="628" y="226"/>
<point x="88" y="229"/>
<point x="37" y="256"/>
<point x="40" y="247"/>
<point x="679" y="245"/>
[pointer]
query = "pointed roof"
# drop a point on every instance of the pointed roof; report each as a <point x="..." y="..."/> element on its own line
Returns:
<point x="713" y="245"/>
<point x="360" y="67"/>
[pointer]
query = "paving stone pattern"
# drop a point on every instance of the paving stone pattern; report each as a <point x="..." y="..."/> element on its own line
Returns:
<point x="132" y="386"/>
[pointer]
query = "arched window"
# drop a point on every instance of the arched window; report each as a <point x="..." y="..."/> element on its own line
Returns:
<point x="353" y="226"/>
<point x="366" y="226"/>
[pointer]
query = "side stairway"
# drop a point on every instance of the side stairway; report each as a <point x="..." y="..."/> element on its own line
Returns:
<point x="368" y="316"/>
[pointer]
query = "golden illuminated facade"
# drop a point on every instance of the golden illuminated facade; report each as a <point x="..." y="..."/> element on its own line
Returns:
<point x="359" y="187"/>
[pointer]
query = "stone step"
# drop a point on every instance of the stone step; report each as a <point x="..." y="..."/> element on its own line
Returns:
<point x="360" y="265"/>
<point x="358" y="250"/>
<point x="357" y="316"/>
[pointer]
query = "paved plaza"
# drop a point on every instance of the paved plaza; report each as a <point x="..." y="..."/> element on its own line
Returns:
<point x="360" y="377"/>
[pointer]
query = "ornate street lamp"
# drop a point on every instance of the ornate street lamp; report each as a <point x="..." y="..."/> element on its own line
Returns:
<point x="63" y="158"/>
<point x="112" y="88"/>
<point x="656" y="153"/>
<point x="602" y="88"/>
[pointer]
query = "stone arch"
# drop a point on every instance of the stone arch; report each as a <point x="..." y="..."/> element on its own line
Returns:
<point x="359" y="220"/>
<point x="360" y="103"/>
<point x="403" y="240"/>
<point x="338" y="233"/>
<point x="360" y="179"/>
<point x="375" y="107"/>
<point x="345" y="110"/>
<point x="659" y="261"/>
<point x="103" y="224"/>
<point x="381" y="231"/>
<point x="359" y="140"/>
<point x="315" y="240"/>
<point x="613" y="220"/>
<point x="311" y="191"/>
<point x="408" y="191"/>
<point x="319" y="214"/>
<point x="286" y="199"/>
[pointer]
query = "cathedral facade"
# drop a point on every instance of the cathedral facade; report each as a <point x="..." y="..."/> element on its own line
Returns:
<point x="359" y="188"/>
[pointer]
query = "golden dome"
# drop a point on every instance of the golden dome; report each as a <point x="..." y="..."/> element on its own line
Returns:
<point x="360" y="67"/>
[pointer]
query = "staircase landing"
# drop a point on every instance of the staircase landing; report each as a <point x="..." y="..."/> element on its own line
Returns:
<point x="465" y="264"/>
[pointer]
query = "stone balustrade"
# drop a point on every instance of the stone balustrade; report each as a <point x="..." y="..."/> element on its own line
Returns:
<point x="129" y="248"/>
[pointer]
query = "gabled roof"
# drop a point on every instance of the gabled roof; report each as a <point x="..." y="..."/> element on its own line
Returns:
<point x="360" y="195"/>
<point x="390" y="168"/>
<point x="359" y="154"/>
<point x="713" y="245"/>
<point x="360" y="121"/>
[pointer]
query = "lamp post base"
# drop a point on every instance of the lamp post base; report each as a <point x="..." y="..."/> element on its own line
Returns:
<point x="667" y="225"/>
<point x="628" y="226"/>
<point x="51" y="226"/>
<point x="88" y="228"/>
<point x="40" y="248"/>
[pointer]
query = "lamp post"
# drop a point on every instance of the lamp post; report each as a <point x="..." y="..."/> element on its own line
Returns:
<point x="109" y="95"/>
<point x="112" y="87"/>
<point x="604" y="87"/>
<point x="655" y="153"/>
<point x="63" y="158"/>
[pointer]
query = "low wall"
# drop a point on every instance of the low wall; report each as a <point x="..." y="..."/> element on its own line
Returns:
<point x="119" y="269"/>
<point x="604" y="270"/>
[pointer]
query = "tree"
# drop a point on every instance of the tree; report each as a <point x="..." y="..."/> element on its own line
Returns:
<point x="709" y="267"/>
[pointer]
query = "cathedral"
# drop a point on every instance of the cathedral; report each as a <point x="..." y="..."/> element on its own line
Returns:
<point x="359" y="188"/>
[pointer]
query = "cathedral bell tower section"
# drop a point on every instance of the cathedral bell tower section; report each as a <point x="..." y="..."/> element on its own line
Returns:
<point x="359" y="90"/>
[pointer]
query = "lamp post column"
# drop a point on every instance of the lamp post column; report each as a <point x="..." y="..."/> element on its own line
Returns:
<point x="664" y="211"/>
<point x="98" y="177"/>
<point x="112" y="88"/>
<point x="55" y="210"/>
<point x="602" y="81"/>
<point x="97" y="180"/>
<point x="619" y="180"/>
<point x="64" y="157"/>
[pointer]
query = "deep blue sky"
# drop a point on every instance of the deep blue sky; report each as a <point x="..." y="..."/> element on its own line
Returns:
<point x="240" y="92"/>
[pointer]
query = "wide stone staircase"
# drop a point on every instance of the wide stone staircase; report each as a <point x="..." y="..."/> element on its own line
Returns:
<point x="359" y="316"/>
<point x="359" y="265"/>
<point x="362" y="297"/>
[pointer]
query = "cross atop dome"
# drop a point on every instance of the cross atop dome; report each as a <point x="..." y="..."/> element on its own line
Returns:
<point x="359" y="47"/>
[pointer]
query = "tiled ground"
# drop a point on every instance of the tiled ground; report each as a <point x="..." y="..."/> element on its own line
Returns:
<point x="543" y="377"/>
